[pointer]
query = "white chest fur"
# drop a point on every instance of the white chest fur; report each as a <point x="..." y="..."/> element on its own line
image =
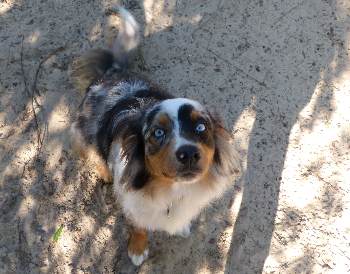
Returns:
<point x="172" y="210"/>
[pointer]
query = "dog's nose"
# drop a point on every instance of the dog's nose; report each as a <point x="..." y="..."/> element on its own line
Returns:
<point x="188" y="154"/>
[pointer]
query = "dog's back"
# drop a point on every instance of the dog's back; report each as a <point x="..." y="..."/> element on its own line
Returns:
<point x="113" y="97"/>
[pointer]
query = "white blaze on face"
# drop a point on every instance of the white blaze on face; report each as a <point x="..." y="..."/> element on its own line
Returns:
<point x="171" y="107"/>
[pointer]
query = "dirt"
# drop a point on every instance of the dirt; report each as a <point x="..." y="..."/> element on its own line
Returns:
<point x="277" y="71"/>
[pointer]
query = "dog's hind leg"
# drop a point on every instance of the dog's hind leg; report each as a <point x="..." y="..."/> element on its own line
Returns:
<point x="89" y="153"/>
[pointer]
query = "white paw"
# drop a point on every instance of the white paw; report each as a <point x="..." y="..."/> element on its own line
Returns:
<point x="185" y="232"/>
<point x="138" y="259"/>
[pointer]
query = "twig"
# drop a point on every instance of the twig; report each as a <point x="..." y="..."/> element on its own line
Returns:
<point x="34" y="88"/>
<point x="41" y="137"/>
<point x="30" y="94"/>
<point x="33" y="100"/>
<point x="24" y="167"/>
<point x="284" y="14"/>
<point x="9" y="134"/>
<point x="34" y="91"/>
<point x="22" y="71"/>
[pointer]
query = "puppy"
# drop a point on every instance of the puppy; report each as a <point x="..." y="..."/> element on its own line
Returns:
<point x="167" y="157"/>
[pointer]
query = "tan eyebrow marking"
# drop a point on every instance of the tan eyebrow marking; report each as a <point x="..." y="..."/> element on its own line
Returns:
<point x="195" y="115"/>
<point x="163" y="120"/>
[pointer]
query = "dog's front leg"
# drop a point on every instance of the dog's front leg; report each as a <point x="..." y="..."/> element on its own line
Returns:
<point x="138" y="246"/>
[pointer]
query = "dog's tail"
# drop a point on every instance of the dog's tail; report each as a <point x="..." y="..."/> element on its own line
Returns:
<point x="91" y="66"/>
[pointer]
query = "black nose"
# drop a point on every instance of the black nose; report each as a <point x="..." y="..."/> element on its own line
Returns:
<point x="188" y="155"/>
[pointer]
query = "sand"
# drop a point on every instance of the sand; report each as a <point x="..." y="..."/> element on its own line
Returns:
<point x="277" y="71"/>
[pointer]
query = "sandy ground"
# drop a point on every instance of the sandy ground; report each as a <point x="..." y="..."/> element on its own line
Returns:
<point x="277" y="71"/>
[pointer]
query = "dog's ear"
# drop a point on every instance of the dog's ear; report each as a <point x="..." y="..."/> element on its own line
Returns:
<point x="133" y="153"/>
<point x="226" y="157"/>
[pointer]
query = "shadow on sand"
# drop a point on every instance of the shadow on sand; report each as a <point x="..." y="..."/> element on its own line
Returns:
<point x="232" y="56"/>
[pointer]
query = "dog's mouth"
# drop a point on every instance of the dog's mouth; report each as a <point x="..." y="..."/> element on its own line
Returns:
<point x="189" y="173"/>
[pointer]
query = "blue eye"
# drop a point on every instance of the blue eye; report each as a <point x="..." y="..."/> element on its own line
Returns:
<point x="200" y="128"/>
<point x="158" y="133"/>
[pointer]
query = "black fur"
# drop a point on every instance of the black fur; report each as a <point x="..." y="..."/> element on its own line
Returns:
<point x="188" y="126"/>
<point x="109" y="126"/>
<point x="135" y="103"/>
<point x="130" y="131"/>
<point x="90" y="68"/>
<point x="153" y="92"/>
<point x="141" y="178"/>
<point x="151" y="115"/>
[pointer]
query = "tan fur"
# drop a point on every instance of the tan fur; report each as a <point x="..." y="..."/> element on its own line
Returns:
<point x="138" y="241"/>
<point x="89" y="154"/>
<point x="229" y="156"/>
<point x="195" y="115"/>
<point x="157" y="185"/>
<point x="163" y="120"/>
<point x="103" y="171"/>
<point x="207" y="155"/>
<point x="231" y="163"/>
<point x="162" y="164"/>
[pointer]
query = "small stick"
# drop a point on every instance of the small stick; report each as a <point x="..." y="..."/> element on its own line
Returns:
<point x="34" y="91"/>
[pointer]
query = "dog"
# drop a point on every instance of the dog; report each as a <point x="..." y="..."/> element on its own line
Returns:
<point x="167" y="157"/>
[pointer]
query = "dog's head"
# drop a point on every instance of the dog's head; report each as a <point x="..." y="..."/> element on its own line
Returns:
<point x="180" y="140"/>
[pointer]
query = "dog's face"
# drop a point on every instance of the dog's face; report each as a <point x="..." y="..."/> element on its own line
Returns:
<point x="179" y="140"/>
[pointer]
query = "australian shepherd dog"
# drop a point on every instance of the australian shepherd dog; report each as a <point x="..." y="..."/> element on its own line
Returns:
<point x="167" y="157"/>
